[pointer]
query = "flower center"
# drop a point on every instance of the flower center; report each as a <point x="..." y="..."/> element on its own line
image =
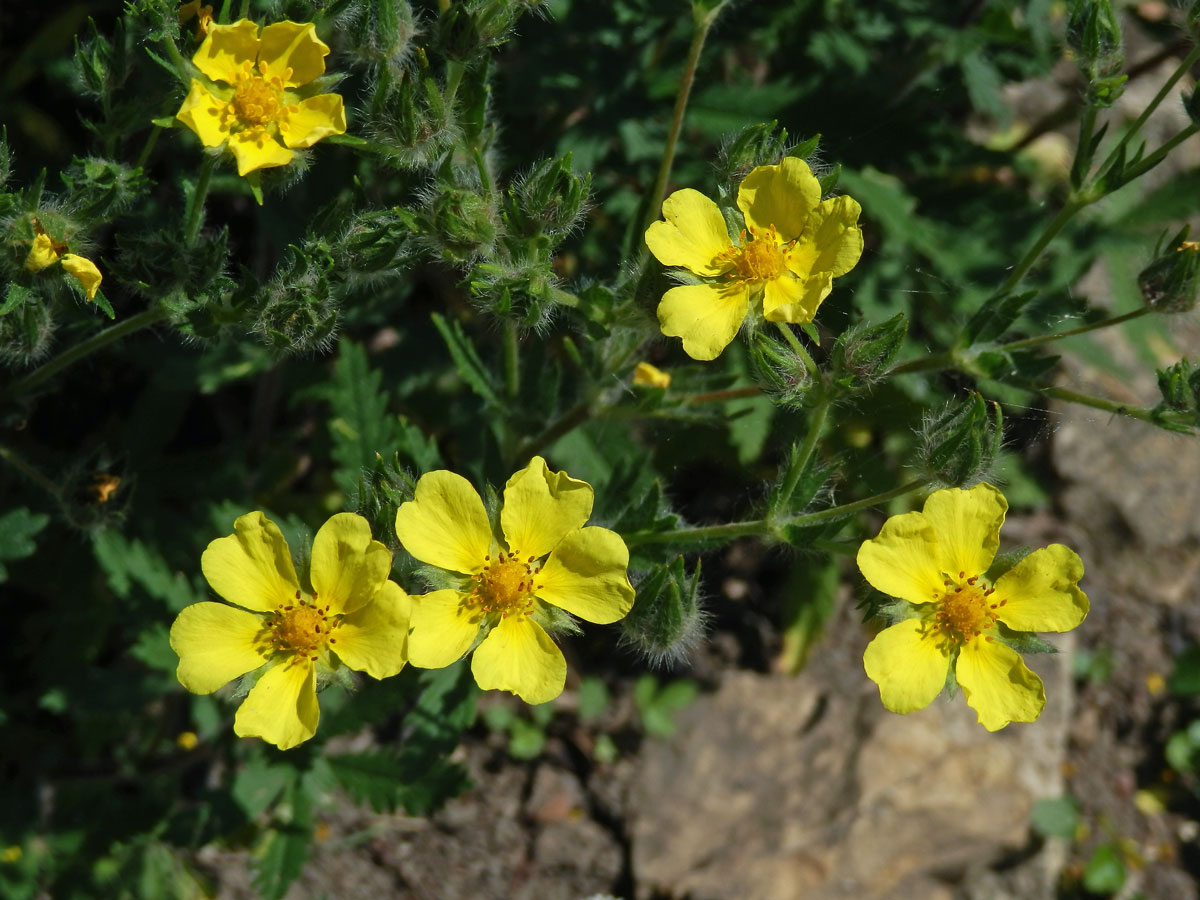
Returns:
<point x="761" y="258"/>
<point x="966" y="610"/>
<point x="257" y="100"/>
<point x="505" y="585"/>
<point x="303" y="628"/>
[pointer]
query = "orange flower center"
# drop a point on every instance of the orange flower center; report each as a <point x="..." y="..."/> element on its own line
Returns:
<point x="256" y="100"/>
<point x="966" y="610"/>
<point x="505" y="585"/>
<point x="303" y="628"/>
<point x="761" y="258"/>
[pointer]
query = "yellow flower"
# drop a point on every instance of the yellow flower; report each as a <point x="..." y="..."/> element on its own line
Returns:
<point x="255" y="108"/>
<point x="353" y="612"/>
<point x="44" y="252"/>
<point x="651" y="376"/>
<point x="202" y="14"/>
<point x="935" y="560"/>
<point x="793" y="246"/>
<point x="504" y="589"/>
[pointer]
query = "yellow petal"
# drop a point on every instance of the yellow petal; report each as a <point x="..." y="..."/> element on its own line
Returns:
<point x="256" y="149"/>
<point x="967" y="525"/>
<point x="1041" y="593"/>
<point x="902" y="560"/>
<point x="315" y="118"/>
<point x="445" y="524"/>
<point x="252" y="566"/>
<point x="692" y="236"/>
<point x="348" y="567"/>
<point x="909" y="666"/>
<point x="205" y="115"/>
<point x="706" y="316"/>
<point x="647" y="375"/>
<point x="997" y="685"/>
<point x="790" y="299"/>
<point x="84" y="271"/>
<point x="831" y="242"/>
<point x="443" y="627"/>
<point x="541" y="508"/>
<point x="217" y="643"/>
<point x="295" y="46"/>
<point x="41" y="253"/>
<point x="375" y="639"/>
<point x="519" y="657"/>
<point x="226" y="48"/>
<point x="587" y="576"/>
<point x="782" y="195"/>
<point x="282" y="708"/>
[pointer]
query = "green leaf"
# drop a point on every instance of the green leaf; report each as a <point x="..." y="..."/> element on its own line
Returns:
<point x="377" y="777"/>
<point x="811" y="601"/>
<point x="593" y="698"/>
<point x="284" y="853"/>
<point x="995" y="317"/>
<point x="1105" y="871"/>
<point x="14" y="298"/>
<point x="1055" y="817"/>
<point x="18" y="528"/>
<point x="466" y="360"/>
<point x="525" y="740"/>
<point x="1185" y="680"/>
<point x="361" y="426"/>
<point x="259" y="783"/>
<point x="128" y="562"/>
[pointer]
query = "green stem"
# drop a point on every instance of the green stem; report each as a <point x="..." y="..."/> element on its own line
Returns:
<point x="730" y="394"/>
<point x="512" y="360"/>
<point x="177" y="60"/>
<point x="1145" y="414"/>
<point x="11" y="457"/>
<point x="148" y="147"/>
<point x="1184" y="68"/>
<point x="758" y="527"/>
<point x="1031" y="256"/>
<point x="955" y="360"/>
<point x="196" y="208"/>
<point x="681" y="100"/>
<point x="572" y="418"/>
<point x="800" y="459"/>
<point x="85" y="348"/>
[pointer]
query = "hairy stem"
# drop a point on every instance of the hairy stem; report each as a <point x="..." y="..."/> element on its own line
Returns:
<point x="195" y="215"/>
<point x="14" y="460"/>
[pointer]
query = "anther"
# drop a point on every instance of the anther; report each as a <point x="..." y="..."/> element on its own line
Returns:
<point x="297" y="595"/>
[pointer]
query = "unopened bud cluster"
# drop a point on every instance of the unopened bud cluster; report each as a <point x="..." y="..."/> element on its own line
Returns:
<point x="960" y="442"/>
<point x="1171" y="282"/>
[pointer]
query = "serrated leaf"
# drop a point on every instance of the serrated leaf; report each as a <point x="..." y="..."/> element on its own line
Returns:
<point x="18" y="528"/>
<point x="376" y="778"/>
<point x="284" y="854"/>
<point x="361" y="427"/>
<point x="14" y="297"/>
<point x="995" y="317"/>
<point x="127" y="562"/>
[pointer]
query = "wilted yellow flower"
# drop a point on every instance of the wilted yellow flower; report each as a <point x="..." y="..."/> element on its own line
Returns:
<point x="793" y="246"/>
<point x="202" y="14"/>
<point x="354" y="614"/>
<point x="255" y="102"/>
<point x="651" y="376"/>
<point x="546" y="558"/>
<point x="44" y="252"/>
<point x="935" y="560"/>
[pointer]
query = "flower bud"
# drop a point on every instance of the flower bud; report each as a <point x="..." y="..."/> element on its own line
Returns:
<point x="377" y="32"/>
<point x="959" y="443"/>
<point x="548" y="200"/>
<point x="525" y="292"/>
<point x="298" y="311"/>
<point x="1180" y="387"/>
<point x="755" y="145"/>
<point x="410" y="117"/>
<point x="1094" y="35"/>
<point x="667" y="619"/>
<point x="780" y="371"/>
<point x="1171" y="283"/>
<point x="376" y="243"/>
<point x="26" y="327"/>
<point x="102" y="188"/>
<point x="463" y="224"/>
<point x="863" y="352"/>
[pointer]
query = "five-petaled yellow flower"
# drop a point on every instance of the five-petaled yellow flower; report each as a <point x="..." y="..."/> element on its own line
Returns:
<point x="257" y="106"/>
<point x="792" y="248"/>
<point x="353" y="612"/>
<point x="935" y="560"/>
<point x="544" y="555"/>
<point x="44" y="252"/>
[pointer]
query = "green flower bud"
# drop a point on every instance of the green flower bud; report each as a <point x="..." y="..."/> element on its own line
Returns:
<point x="959" y="443"/>
<point x="26" y="327"/>
<point x="377" y="32"/>
<point x="1171" y="283"/>
<point x="298" y="311"/>
<point x="102" y="188"/>
<point x="476" y="26"/>
<point x="1180" y="387"/>
<point x="863" y="352"/>
<point x="667" y="619"/>
<point x="409" y="116"/>
<point x="463" y="224"/>
<point x="1094" y="35"/>
<point x="548" y="200"/>
<point x="375" y="244"/>
<point x="755" y="145"/>
<point x="526" y="293"/>
<point x="780" y="371"/>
